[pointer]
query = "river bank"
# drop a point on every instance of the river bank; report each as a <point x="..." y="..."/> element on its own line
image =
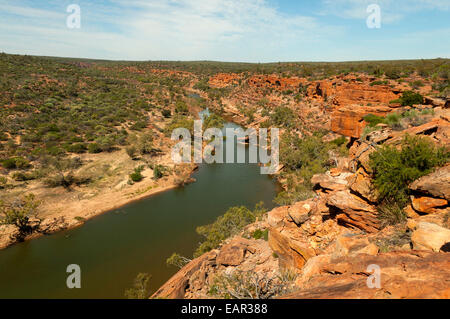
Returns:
<point x="61" y="209"/>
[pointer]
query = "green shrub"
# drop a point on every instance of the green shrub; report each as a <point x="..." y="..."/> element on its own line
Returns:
<point x="140" y="288"/>
<point x="166" y="113"/>
<point x="409" y="98"/>
<point x="77" y="148"/>
<point x="137" y="176"/>
<point x="158" y="171"/>
<point x="373" y="120"/>
<point x="395" y="169"/>
<point x="258" y="234"/>
<point x="16" y="162"/>
<point x="282" y="117"/>
<point x="181" y="107"/>
<point x="94" y="148"/>
<point x="341" y="140"/>
<point x="231" y="223"/>
<point x="3" y="182"/>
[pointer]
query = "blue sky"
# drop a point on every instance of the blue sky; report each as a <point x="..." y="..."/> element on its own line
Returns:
<point x="227" y="30"/>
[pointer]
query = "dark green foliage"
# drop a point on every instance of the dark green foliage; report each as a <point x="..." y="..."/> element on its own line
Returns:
<point x="16" y="162"/>
<point x="140" y="289"/>
<point x="409" y="98"/>
<point x="339" y="141"/>
<point x="212" y="121"/>
<point x="258" y="234"/>
<point x="282" y="117"/>
<point x="18" y="213"/>
<point x="94" y="148"/>
<point x="181" y="107"/>
<point x="302" y="158"/>
<point x="158" y="172"/>
<point x="166" y="113"/>
<point x="137" y="176"/>
<point x="395" y="169"/>
<point x="373" y="120"/>
<point x="231" y="223"/>
<point x="77" y="148"/>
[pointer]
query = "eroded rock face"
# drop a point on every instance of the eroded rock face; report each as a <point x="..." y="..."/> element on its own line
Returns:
<point x="176" y="286"/>
<point x="291" y="247"/>
<point x="410" y="274"/>
<point x="353" y="211"/>
<point x="276" y="82"/>
<point x="221" y="80"/>
<point x="436" y="184"/>
<point x="428" y="205"/>
<point x="428" y="236"/>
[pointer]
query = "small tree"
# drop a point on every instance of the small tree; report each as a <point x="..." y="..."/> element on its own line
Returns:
<point x="177" y="260"/>
<point x="140" y="289"/>
<point x="18" y="213"/>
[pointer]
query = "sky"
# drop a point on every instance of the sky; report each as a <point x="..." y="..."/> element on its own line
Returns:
<point x="227" y="30"/>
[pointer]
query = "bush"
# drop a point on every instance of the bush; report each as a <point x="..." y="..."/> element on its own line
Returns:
<point x="395" y="169"/>
<point x="181" y="107"/>
<point x="258" y="234"/>
<point x="231" y="223"/>
<point x="132" y="152"/>
<point x="137" y="176"/>
<point x="77" y="148"/>
<point x="16" y="162"/>
<point x="282" y="117"/>
<point x="373" y="120"/>
<point x="166" y="113"/>
<point x="250" y="285"/>
<point x="18" y="213"/>
<point x="409" y="98"/>
<point x="140" y="289"/>
<point x="94" y="148"/>
<point x="158" y="171"/>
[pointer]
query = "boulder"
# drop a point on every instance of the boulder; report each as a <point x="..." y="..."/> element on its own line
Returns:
<point x="351" y="244"/>
<point x="276" y="216"/>
<point x="299" y="212"/>
<point x="404" y="274"/>
<point x="353" y="211"/>
<point x="291" y="248"/>
<point x="428" y="205"/>
<point x="328" y="182"/>
<point x="362" y="184"/>
<point x="231" y="254"/>
<point x="436" y="184"/>
<point x="428" y="236"/>
<point x="176" y="286"/>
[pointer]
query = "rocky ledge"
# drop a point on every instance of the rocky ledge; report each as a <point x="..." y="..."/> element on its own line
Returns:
<point x="329" y="242"/>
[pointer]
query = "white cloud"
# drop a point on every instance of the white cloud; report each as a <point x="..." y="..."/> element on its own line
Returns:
<point x="392" y="10"/>
<point x="169" y="29"/>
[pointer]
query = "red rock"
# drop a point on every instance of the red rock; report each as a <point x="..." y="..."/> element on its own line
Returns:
<point x="175" y="287"/>
<point x="436" y="184"/>
<point x="354" y="211"/>
<point x="362" y="184"/>
<point x="292" y="250"/>
<point x="428" y="205"/>
<point x="430" y="236"/>
<point x="277" y="215"/>
<point x="404" y="274"/>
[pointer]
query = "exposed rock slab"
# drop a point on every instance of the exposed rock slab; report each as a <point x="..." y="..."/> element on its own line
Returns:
<point x="436" y="184"/>
<point x="403" y="275"/>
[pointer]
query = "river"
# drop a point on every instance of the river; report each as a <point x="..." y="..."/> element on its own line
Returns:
<point x="113" y="248"/>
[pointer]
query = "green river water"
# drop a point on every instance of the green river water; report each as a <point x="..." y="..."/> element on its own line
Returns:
<point x="112" y="248"/>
